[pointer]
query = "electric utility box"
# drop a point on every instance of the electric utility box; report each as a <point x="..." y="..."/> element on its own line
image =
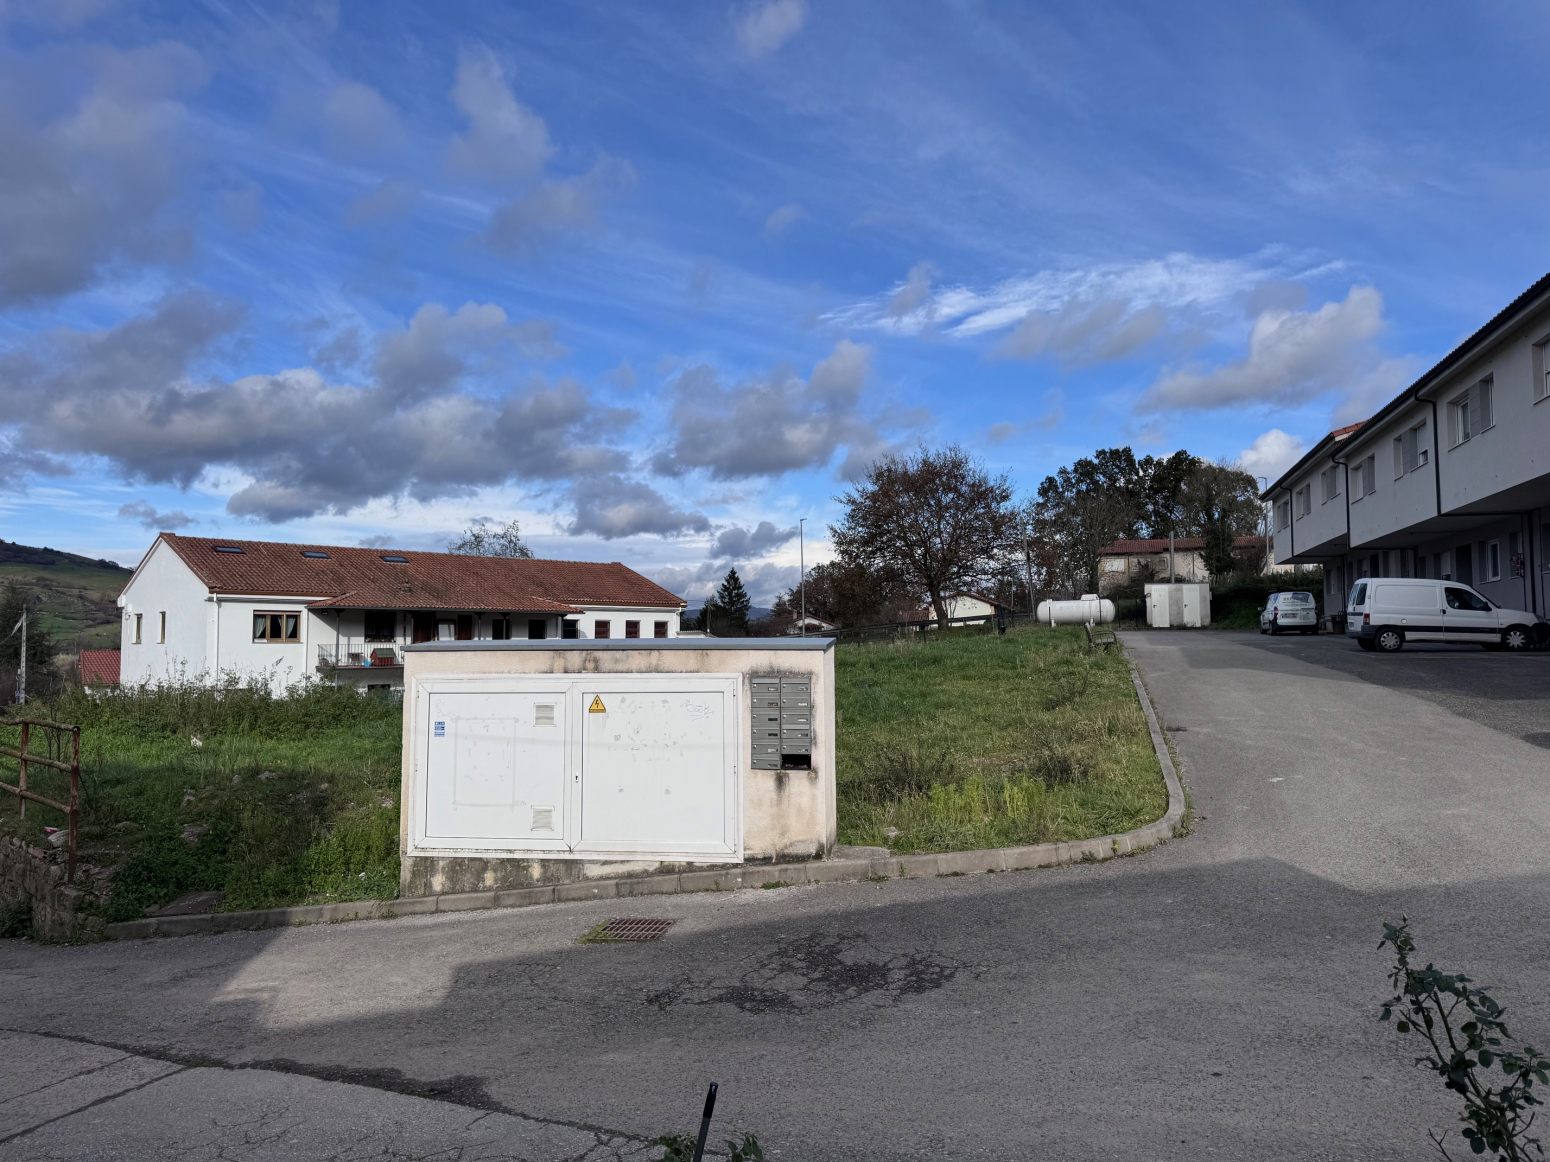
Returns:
<point x="529" y="762"/>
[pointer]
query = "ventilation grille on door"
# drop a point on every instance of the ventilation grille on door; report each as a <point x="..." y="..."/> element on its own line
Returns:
<point x="543" y="714"/>
<point x="543" y="818"/>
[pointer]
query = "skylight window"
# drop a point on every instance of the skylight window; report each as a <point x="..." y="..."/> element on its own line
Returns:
<point x="315" y="555"/>
<point x="395" y="559"/>
<point x="227" y="549"/>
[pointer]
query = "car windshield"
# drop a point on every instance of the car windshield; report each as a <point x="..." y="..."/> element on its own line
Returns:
<point x="1296" y="599"/>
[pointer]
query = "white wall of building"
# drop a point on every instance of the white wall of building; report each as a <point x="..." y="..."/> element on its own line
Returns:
<point x="163" y="584"/>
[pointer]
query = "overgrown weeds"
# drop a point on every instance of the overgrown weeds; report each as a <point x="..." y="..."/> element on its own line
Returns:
<point x="271" y="799"/>
<point x="983" y="741"/>
<point x="15" y="919"/>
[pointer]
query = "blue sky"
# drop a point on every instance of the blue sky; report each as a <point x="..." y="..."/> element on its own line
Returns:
<point x="657" y="280"/>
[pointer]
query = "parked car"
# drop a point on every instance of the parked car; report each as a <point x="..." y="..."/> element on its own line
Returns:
<point x="1386" y="612"/>
<point x="1294" y="610"/>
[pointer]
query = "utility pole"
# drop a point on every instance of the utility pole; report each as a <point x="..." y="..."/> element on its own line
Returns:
<point x="1028" y="573"/>
<point x="21" y="673"/>
<point x="1264" y="515"/>
<point x="802" y="567"/>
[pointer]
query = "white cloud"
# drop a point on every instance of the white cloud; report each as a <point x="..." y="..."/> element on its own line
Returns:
<point x="776" y="424"/>
<point x="153" y="521"/>
<point x="609" y="505"/>
<point x="908" y="300"/>
<point x="1271" y="454"/>
<point x="766" y="27"/>
<point x="738" y="543"/>
<point x="1293" y="356"/>
<point x="557" y="207"/>
<point x="390" y="199"/>
<point x="505" y="139"/>
<point x="358" y="123"/>
<point x="781" y="219"/>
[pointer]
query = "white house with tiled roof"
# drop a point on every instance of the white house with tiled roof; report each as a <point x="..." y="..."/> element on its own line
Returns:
<point x="203" y="608"/>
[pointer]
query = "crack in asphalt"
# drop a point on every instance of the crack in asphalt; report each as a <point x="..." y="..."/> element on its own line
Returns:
<point x="464" y="1090"/>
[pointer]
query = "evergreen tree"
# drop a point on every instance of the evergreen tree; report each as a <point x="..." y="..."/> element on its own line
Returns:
<point x="732" y="605"/>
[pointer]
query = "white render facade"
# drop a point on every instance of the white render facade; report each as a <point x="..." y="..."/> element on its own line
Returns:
<point x="175" y="627"/>
<point x="1450" y="480"/>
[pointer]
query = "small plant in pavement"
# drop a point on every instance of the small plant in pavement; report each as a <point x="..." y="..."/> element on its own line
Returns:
<point x="1467" y="1047"/>
<point x="680" y="1148"/>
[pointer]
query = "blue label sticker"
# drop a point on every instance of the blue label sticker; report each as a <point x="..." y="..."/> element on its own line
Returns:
<point x="441" y="730"/>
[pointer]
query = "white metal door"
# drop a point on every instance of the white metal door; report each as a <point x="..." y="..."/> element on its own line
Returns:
<point x="496" y="767"/>
<point x="658" y="767"/>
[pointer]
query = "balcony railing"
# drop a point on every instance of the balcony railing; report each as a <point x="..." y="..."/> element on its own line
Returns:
<point x="356" y="654"/>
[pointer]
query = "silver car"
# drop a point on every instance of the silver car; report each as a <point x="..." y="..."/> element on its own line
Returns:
<point x="1288" y="611"/>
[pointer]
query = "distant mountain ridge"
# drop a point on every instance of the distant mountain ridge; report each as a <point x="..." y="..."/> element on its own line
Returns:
<point x="12" y="553"/>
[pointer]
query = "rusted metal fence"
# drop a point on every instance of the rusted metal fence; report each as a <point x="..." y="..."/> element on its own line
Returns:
<point x="72" y="768"/>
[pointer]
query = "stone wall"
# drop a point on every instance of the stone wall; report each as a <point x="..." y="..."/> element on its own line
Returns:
<point x="60" y="911"/>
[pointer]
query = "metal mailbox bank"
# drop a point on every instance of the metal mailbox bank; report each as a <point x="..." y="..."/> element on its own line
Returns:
<point x="537" y="762"/>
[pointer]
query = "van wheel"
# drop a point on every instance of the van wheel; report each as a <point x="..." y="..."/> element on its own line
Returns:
<point x="1366" y="643"/>
<point x="1389" y="640"/>
<point x="1516" y="637"/>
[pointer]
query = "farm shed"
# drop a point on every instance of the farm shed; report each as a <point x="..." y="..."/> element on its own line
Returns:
<point x="538" y="762"/>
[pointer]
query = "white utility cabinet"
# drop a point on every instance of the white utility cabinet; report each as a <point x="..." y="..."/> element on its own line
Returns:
<point x="578" y="766"/>
<point x="1180" y="605"/>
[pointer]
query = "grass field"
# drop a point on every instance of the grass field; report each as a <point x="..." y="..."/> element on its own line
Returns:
<point x="78" y="593"/>
<point x="286" y="801"/>
<point x="959" y="741"/>
<point x="981" y="741"/>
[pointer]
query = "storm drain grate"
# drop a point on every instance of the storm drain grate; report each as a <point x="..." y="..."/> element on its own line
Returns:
<point x="630" y="930"/>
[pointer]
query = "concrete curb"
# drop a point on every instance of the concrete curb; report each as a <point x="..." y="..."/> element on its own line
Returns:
<point x="951" y="863"/>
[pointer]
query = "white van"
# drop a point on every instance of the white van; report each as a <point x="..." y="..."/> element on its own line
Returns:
<point x="1386" y="612"/>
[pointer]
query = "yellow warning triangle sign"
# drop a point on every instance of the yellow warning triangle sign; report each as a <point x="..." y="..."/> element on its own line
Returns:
<point x="597" y="706"/>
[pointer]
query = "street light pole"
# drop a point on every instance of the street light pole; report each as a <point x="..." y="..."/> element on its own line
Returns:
<point x="802" y="566"/>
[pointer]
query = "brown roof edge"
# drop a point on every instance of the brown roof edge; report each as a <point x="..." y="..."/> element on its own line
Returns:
<point x="1312" y="454"/>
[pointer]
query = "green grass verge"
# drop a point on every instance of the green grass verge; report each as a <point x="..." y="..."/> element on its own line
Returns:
<point x="287" y="800"/>
<point x="947" y="742"/>
<point x="965" y="742"/>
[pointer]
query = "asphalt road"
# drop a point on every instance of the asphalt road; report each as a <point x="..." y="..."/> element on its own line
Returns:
<point x="1214" y="998"/>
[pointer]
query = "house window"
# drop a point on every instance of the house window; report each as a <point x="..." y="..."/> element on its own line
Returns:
<point x="500" y="629"/>
<point x="537" y="628"/>
<point x="1283" y="514"/>
<point x="465" y="627"/>
<point x="381" y="625"/>
<point x="1541" y="370"/>
<point x="1304" y="500"/>
<point x="446" y="630"/>
<point x="277" y="627"/>
<point x="632" y="629"/>
<point x="1369" y="476"/>
<point x="1515" y="561"/>
<point x="1469" y="413"/>
<point x="659" y="629"/>
<point x="601" y="629"/>
<point x="570" y="628"/>
<point x="137" y="628"/>
<point x="1114" y="564"/>
<point x="1493" y="560"/>
<point x="1329" y="481"/>
<point x="161" y="632"/>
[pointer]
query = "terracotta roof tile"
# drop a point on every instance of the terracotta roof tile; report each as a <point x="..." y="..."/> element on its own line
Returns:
<point x="357" y="578"/>
<point x="99" y="667"/>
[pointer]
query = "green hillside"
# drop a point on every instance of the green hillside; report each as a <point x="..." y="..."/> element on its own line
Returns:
<point x="78" y="593"/>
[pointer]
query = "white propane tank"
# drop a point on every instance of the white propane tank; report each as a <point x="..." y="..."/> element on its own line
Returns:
<point x="1099" y="611"/>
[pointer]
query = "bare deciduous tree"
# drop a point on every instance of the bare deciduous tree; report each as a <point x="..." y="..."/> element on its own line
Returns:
<point x="480" y="540"/>
<point x="933" y="520"/>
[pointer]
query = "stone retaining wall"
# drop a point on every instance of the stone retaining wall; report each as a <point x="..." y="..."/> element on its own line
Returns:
<point x="60" y="911"/>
